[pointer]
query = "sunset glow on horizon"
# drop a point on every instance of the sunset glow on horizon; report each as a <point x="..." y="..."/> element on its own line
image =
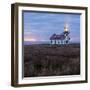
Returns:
<point x="30" y="39"/>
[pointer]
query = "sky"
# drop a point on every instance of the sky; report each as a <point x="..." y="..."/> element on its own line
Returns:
<point x="39" y="26"/>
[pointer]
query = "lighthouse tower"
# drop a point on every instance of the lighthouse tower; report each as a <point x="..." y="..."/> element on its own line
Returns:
<point x="66" y="28"/>
<point x="66" y="33"/>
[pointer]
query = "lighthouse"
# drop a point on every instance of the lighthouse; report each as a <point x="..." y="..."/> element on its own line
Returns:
<point x="66" y="28"/>
<point x="66" y="33"/>
<point x="62" y="38"/>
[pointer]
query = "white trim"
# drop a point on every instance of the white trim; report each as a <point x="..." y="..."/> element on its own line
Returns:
<point x="52" y="78"/>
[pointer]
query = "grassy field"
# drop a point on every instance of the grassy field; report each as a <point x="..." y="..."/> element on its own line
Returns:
<point x="51" y="60"/>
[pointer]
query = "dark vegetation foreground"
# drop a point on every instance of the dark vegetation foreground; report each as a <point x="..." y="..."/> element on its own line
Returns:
<point x="51" y="60"/>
